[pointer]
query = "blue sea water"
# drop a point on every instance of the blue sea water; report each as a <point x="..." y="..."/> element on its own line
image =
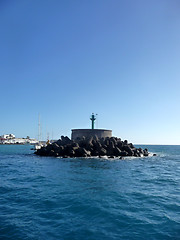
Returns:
<point x="52" y="198"/>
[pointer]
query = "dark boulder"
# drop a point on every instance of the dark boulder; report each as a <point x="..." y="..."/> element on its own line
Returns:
<point x="106" y="142"/>
<point x="97" y="146"/>
<point x="95" y="138"/>
<point x="59" y="142"/>
<point x="81" y="152"/>
<point x="55" y="147"/>
<point x="141" y="150"/>
<point x="65" y="140"/>
<point x="110" y="150"/>
<point x="61" y="150"/>
<point x="119" y="144"/>
<point x="49" y="147"/>
<point x="42" y="151"/>
<point x="123" y="154"/>
<point x="131" y="145"/>
<point x="103" y="152"/>
<point x="75" y="144"/>
<point x="117" y="152"/>
<point x="146" y="154"/>
<point x="128" y="150"/>
<point x="72" y="153"/>
<point x="51" y="153"/>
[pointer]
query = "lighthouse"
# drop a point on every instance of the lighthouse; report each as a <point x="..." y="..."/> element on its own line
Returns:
<point x="100" y="133"/>
<point x="92" y="118"/>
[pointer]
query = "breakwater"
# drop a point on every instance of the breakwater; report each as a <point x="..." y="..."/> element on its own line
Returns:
<point x="91" y="146"/>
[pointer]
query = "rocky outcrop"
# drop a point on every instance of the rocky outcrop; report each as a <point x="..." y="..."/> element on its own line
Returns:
<point x="87" y="147"/>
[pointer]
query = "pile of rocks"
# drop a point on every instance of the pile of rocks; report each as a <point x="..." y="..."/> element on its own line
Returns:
<point x="87" y="147"/>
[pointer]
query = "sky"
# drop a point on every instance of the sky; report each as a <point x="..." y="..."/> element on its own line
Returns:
<point x="64" y="60"/>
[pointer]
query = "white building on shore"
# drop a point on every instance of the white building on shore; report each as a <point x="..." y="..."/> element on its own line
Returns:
<point x="8" y="136"/>
<point x="11" y="139"/>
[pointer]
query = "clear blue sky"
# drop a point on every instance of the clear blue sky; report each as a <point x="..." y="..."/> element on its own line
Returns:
<point x="67" y="59"/>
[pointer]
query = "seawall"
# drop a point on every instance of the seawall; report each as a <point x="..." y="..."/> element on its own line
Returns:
<point x="100" y="133"/>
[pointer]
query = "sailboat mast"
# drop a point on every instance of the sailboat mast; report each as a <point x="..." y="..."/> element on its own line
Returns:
<point x="39" y="128"/>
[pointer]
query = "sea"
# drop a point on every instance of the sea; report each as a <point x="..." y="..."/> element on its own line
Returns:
<point x="90" y="199"/>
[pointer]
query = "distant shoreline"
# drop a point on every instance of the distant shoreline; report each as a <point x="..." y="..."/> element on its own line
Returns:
<point x="17" y="143"/>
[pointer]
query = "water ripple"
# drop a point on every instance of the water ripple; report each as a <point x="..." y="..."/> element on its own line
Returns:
<point x="51" y="198"/>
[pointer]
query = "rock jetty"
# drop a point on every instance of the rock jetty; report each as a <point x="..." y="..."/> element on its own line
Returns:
<point x="89" y="147"/>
